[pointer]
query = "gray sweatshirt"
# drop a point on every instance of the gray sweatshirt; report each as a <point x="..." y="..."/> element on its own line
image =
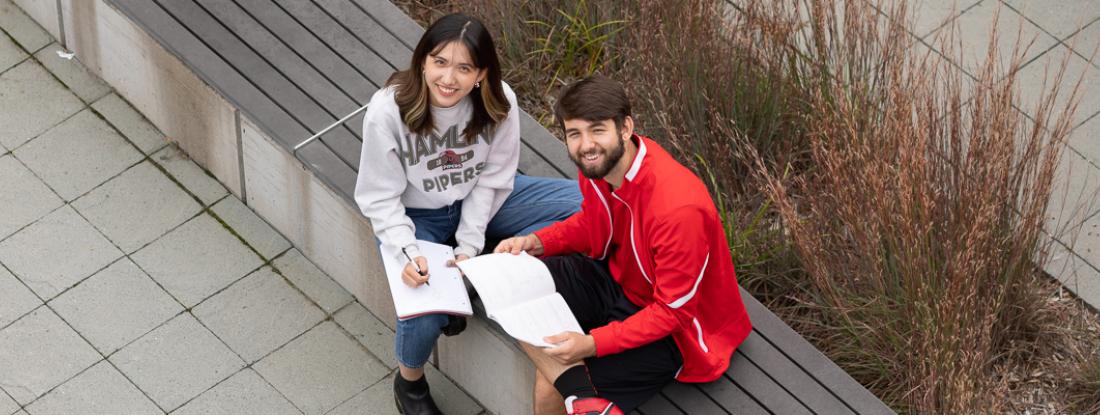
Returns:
<point x="398" y="169"/>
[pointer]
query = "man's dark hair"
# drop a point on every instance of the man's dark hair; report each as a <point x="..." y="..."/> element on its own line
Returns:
<point x="595" y="98"/>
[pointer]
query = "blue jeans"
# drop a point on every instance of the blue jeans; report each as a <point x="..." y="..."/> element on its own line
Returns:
<point x="535" y="203"/>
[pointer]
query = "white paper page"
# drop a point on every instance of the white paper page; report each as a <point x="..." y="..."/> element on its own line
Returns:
<point x="444" y="292"/>
<point x="503" y="280"/>
<point x="535" y="319"/>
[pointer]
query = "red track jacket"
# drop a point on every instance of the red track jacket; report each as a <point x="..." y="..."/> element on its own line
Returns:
<point x="666" y="247"/>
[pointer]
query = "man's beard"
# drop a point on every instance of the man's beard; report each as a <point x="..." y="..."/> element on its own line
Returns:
<point x="609" y="161"/>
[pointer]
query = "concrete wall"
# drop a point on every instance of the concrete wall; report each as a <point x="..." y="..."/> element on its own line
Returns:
<point x="171" y="96"/>
<point x="325" y="227"/>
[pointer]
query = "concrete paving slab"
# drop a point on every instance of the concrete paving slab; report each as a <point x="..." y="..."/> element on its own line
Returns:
<point x="378" y="399"/>
<point x="7" y="404"/>
<point x="177" y="362"/>
<point x="1042" y="71"/>
<point x="132" y="124"/>
<point x="1061" y="20"/>
<point x="25" y="198"/>
<point x="375" y="400"/>
<point x="72" y="73"/>
<point x="31" y="102"/>
<point x="244" y="393"/>
<point x="189" y="174"/>
<point x="10" y="53"/>
<point x="258" y="314"/>
<point x="21" y="27"/>
<point x="1087" y="42"/>
<point x="77" y="155"/>
<point x="1073" y="195"/>
<point x="312" y="281"/>
<point x="1086" y="245"/>
<point x="1086" y="140"/>
<point x="16" y="300"/>
<point x="39" y="352"/>
<point x="929" y="15"/>
<point x="371" y="332"/>
<point x="450" y="398"/>
<point x="43" y="256"/>
<point x="1075" y="273"/>
<point x="99" y="390"/>
<point x="321" y="369"/>
<point x="196" y="260"/>
<point x="258" y="233"/>
<point x="976" y="24"/>
<point x="137" y="207"/>
<point x="115" y="306"/>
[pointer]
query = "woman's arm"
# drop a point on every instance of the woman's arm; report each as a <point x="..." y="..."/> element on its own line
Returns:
<point x="381" y="180"/>
<point x="493" y="186"/>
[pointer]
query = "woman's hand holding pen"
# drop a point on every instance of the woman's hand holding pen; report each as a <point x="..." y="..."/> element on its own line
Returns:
<point x="416" y="272"/>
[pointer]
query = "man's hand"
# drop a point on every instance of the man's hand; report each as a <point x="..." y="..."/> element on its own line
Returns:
<point x="458" y="258"/>
<point x="413" y="279"/>
<point x="530" y="243"/>
<point x="571" y="347"/>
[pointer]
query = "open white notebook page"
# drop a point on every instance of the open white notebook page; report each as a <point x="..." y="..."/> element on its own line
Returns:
<point x="445" y="292"/>
<point x="502" y="280"/>
<point x="532" y="320"/>
<point x="518" y="293"/>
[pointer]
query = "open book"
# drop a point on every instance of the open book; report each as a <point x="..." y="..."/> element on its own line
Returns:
<point x="445" y="291"/>
<point x="519" y="294"/>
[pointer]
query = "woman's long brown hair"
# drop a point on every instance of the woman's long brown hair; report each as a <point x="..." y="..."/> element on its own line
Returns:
<point x="412" y="95"/>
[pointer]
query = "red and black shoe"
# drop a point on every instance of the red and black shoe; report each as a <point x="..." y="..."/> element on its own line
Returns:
<point x="590" y="406"/>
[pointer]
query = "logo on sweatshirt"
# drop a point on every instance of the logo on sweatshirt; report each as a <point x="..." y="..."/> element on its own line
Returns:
<point x="416" y="148"/>
<point x="449" y="160"/>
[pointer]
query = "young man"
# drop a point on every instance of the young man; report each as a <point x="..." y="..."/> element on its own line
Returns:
<point x="654" y="289"/>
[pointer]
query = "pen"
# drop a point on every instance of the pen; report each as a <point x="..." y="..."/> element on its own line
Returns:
<point x="417" y="266"/>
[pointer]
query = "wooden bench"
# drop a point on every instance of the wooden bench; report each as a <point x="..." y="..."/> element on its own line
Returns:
<point x="240" y="83"/>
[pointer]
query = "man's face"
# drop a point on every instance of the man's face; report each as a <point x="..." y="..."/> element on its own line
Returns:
<point x="595" y="147"/>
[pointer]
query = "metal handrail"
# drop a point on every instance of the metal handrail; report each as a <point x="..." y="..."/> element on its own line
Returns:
<point x="322" y="132"/>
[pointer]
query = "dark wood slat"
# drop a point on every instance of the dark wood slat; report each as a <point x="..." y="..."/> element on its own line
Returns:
<point x="403" y="27"/>
<point x="368" y="31"/>
<point x="791" y="377"/>
<point x="360" y="85"/>
<point x="546" y="145"/>
<point x="336" y="101"/>
<point x="731" y="397"/>
<point x="340" y="39"/>
<point x="264" y="42"/>
<point x="532" y="164"/>
<point x="268" y="78"/>
<point x="272" y="120"/>
<point x="658" y="405"/>
<point x="811" y="360"/>
<point x="762" y="388"/>
<point x="691" y="400"/>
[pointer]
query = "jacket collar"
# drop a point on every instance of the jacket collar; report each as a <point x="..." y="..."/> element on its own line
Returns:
<point x="638" y="158"/>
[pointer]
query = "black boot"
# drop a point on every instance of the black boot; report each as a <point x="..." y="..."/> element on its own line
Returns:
<point x="413" y="398"/>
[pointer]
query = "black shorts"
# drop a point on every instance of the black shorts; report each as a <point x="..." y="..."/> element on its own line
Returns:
<point x="629" y="378"/>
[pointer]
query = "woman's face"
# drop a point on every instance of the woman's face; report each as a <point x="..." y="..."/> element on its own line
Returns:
<point x="451" y="74"/>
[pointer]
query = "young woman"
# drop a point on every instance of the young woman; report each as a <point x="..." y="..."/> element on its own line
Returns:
<point x="440" y="150"/>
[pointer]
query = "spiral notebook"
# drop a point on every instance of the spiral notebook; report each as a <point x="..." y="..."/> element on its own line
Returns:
<point x="444" y="293"/>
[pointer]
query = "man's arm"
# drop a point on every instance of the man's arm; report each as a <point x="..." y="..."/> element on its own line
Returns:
<point x="568" y="236"/>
